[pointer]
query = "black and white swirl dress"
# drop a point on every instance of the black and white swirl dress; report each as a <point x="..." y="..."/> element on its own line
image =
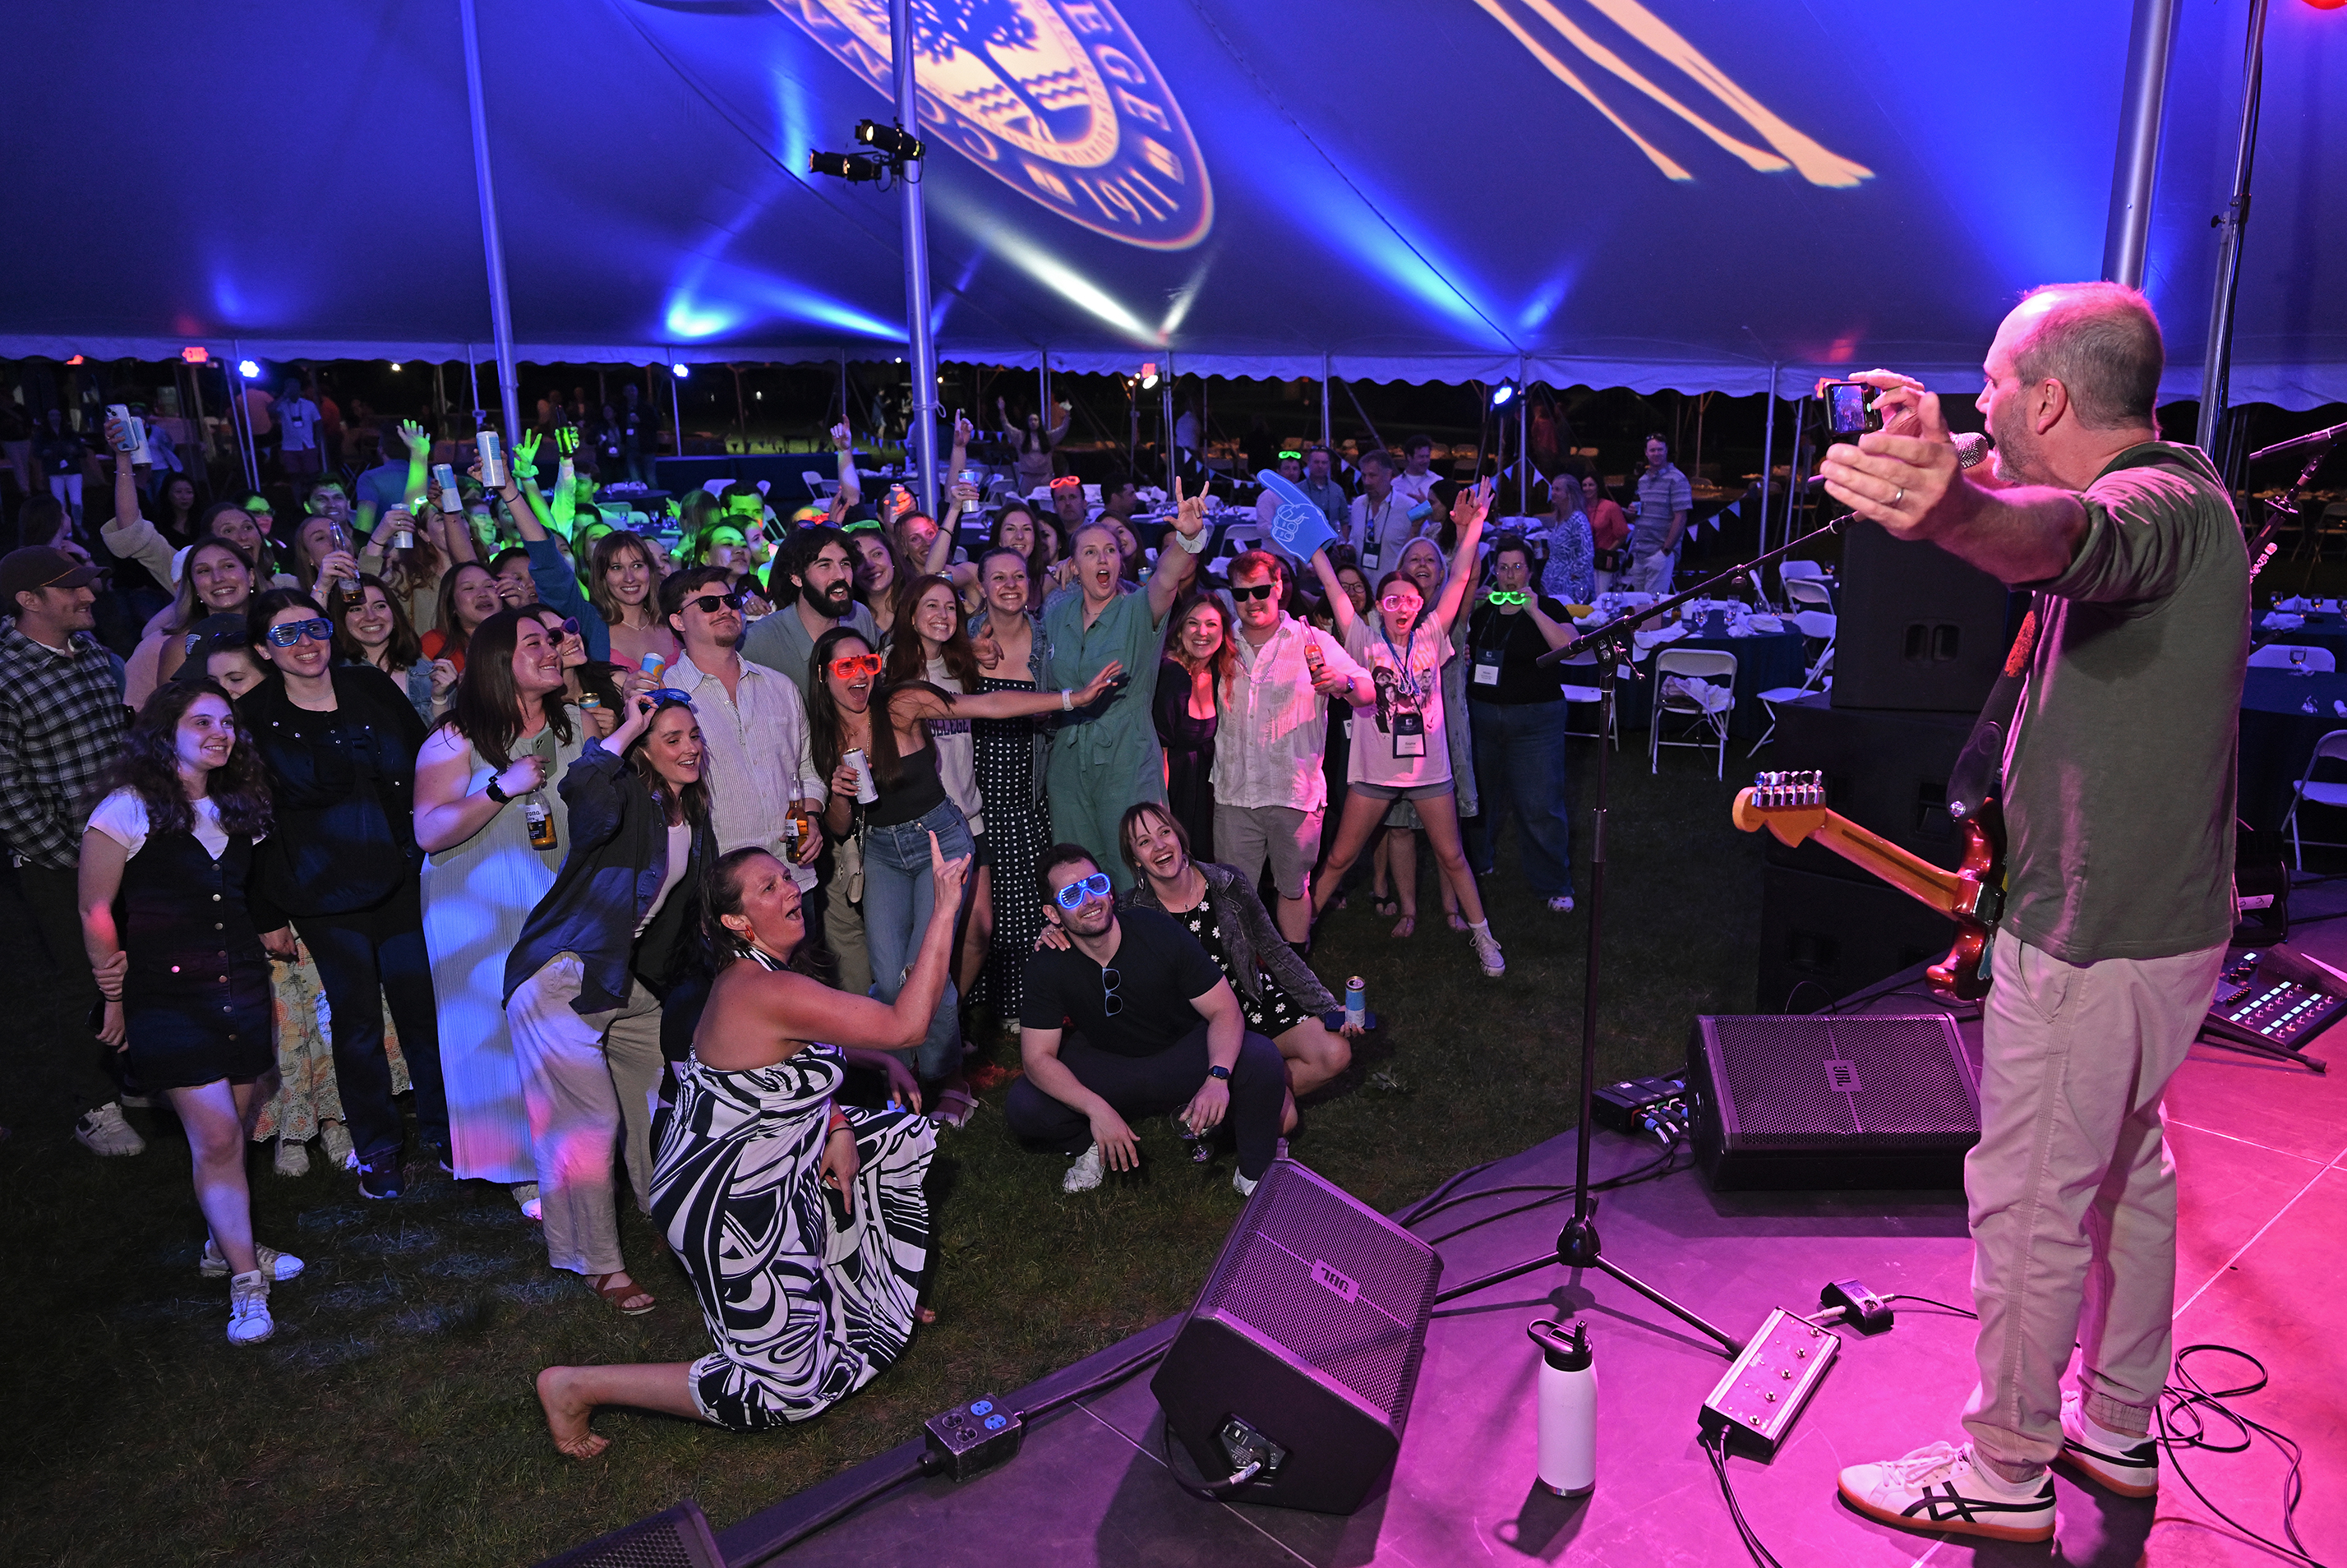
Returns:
<point x="804" y="1308"/>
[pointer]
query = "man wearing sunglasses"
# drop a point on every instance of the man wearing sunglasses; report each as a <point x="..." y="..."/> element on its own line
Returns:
<point x="1158" y="1030"/>
<point x="1271" y="791"/>
<point x="812" y="585"/>
<point x="1106" y="756"/>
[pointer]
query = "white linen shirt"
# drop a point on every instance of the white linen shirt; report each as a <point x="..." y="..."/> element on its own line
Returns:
<point x="1273" y="733"/>
<point x="759" y="756"/>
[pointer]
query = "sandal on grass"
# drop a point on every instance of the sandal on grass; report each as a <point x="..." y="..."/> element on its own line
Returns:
<point x="618" y="1295"/>
<point x="1386" y="905"/>
<point x="955" y="1107"/>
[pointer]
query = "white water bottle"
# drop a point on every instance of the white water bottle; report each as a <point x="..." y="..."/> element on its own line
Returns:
<point x="1568" y="1408"/>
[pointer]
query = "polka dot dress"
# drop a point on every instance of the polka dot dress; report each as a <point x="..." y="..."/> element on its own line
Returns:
<point x="1272" y="1014"/>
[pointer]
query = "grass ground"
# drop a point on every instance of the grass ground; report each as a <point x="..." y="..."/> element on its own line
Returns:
<point x="392" y="1419"/>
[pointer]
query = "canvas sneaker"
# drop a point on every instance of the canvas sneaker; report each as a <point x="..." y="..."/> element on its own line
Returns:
<point x="249" y="1322"/>
<point x="1939" y="1487"/>
<point x="292" y="1159"/>
<point x="1245" y="1188"/>
<point x="104" y="1132"/>
<point x="1487" y="951"/>
<point x="279" y="1267"/>
<point x="1561" y="904"/>
<point x="1086" y="1172"/>
<point x="2127" y="1466"/>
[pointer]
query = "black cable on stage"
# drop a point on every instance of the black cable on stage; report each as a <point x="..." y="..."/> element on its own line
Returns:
<point x="1942" y="1306"/>
<point x="1428" y="1204"/>
<point x="1649" y="1170"/>
<point x="887" y="1480"/>
<point x="1713" y="1444"/>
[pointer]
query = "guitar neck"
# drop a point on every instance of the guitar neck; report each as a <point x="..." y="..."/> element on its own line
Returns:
<point x="1918" y="879"/>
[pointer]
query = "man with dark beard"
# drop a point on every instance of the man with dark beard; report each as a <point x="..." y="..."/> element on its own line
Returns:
<point x="813" y="583"/>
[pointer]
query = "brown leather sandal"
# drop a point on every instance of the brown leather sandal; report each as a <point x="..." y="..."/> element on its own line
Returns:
<point x="618" y="1295"/>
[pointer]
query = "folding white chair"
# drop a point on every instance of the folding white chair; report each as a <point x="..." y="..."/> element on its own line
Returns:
<point x="1816" y="625"/>
<point x="1579" y="664"/>
<point x="2302" y="656"/>
<point x="1787" y="570"/>
<point x="1708" y="720"/>
<point x="2308" y="792"/>
<point x="1808" y="590"/>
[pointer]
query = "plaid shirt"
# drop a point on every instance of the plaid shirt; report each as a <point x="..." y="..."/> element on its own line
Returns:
<point x="61" y="726"/>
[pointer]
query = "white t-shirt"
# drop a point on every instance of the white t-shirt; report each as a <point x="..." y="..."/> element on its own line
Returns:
<point x="299" y="415"/>
<point x="679" y="855"/>
<point x="957" y="752"/>
<point x="1408" y="679"/>
<point x="122" y="817"/>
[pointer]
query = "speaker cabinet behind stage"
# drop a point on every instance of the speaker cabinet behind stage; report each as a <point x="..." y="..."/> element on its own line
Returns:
<point x="1885" y="770"/>
<point x="1806" y="1102"/>
<point x="1822" y="937"/>
<point x="1304" y="1347"/>
<point x="1918" y="629"/>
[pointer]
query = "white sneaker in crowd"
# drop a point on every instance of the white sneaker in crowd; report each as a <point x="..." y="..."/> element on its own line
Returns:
<point x="2128" y="1466"/>
<point x="335" y="1137"/>
<point x="1561" y="904"/>
<point x="279" y="1267"/>
<point x="1244" y="1187"/>
<point x="1939" y="1487"/>
<point x="292" y="1158"/>
<point x="526" y="1194"/>
<point x="1085" y="1174"/>
<point x="104" y="1132"/>
<point x="1487" y="950"/>
<point x="249" y="1322"/>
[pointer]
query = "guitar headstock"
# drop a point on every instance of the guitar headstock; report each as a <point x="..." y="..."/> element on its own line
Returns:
<point x="1792" y="805"/>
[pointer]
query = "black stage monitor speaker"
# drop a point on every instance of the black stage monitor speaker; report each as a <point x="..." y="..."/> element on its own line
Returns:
<point x="673" y="1538"/>
<point x="1785" y="1102"/>
<point x="1885" y="770"/>
<point x="1822" y="937"/>
<point x="1302" y="1350"/>
<point x="1918" y="629"/>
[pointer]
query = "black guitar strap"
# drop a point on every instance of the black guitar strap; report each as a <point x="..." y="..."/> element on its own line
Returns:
<point x="1978" y="780"/>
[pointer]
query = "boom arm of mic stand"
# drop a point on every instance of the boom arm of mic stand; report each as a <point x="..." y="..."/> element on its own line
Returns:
<point x="2323" y="436"/>
<point x="1618" y="630"/>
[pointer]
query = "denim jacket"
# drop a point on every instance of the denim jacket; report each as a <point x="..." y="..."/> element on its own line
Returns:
<point x="1254" y="943"/>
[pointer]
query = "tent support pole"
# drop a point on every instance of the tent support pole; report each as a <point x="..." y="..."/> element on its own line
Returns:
<point x="1523" y="439"/>
<point x="1165" y="419"/>
<point x="472" y="377"/>
<point x="492" y="246"/>
<point x="1327" y="436"/>
<point x="1767" y="458"/>
<point x="1793" y="485"/>
<point x="917" y="262"/>
<point x="2142" y="104"/>
<point x="241" y="414"/>
<point x="2216" y="360"/>
<point x="675" y="407"/>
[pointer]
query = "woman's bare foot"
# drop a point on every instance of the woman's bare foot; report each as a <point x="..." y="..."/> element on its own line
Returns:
<point x="925" y="1315"/>
<point x="1405" y="926"/>
<point x="566" y="1411"/>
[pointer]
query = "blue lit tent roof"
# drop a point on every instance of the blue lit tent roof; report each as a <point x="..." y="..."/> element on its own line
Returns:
<point x="1651" y="194"/>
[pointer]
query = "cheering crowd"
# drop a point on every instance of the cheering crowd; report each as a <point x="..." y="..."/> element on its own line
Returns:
<point x="616" y="854"/>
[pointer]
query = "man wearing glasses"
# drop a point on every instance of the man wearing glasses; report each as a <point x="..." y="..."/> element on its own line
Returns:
<point x="1271" y="791"/>
<point x="1158" y="1028"/>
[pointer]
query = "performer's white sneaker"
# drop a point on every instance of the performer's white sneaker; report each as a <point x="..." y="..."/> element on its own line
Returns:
<point x="1085" y="1174"/>
<point x="1939" y="1487"/>
<point x="2127" y="1466"/>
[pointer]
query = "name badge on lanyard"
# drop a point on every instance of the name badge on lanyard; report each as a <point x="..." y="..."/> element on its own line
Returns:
<point x="1487" y="667"/>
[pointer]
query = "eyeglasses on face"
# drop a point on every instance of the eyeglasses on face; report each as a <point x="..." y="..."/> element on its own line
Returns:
<point x="293" y="632"/>
<point x="1260" y="590"/>
<point x="1073" y="894"/>
<point x="708" y="604"/>
<point x="1399" y="602"/>
<point x="1111" y="1004"/>
<point x="854" y="664"/>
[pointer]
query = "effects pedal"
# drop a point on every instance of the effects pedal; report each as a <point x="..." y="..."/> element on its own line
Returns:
<point x="2276" y="1000"/>
<point x="1764" y="1392"/>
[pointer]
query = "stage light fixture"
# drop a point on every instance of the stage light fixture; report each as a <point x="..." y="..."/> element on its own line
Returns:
<point x="1503" y="392"/>
<point x="893" y="142"/>
<point x="247" y="369"/>
<point x="681" y="371"/>
<point x="396" y="365"/>
<point x="1148" y="379"/>
<point x="852" y="166"/>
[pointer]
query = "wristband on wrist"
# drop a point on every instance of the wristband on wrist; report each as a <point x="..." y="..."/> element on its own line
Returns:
<point x="1194" y="543"/>
<point x="1067" y="700"/>
<point x="1222" y="1072"/>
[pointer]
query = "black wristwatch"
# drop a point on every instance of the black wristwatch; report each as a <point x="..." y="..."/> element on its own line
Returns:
<point x="496" y="794"/>
<point x="1222" y="1072"/>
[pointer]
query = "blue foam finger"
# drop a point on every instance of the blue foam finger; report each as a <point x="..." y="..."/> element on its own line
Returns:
<point x="1298" y="526"/>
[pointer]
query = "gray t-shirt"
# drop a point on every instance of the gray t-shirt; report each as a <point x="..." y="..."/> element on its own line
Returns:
<point x="2119" y="776"/>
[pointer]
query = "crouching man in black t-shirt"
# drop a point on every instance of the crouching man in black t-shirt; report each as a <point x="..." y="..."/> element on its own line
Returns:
<point x="1158" y="1030"/>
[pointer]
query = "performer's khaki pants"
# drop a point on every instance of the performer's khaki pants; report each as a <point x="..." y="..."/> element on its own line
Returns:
<point x="583" y="1078"/>
<point x="2071" y="1190"/>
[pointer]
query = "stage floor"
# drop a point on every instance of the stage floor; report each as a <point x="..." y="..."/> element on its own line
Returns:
<point x="2261" y="1147"/>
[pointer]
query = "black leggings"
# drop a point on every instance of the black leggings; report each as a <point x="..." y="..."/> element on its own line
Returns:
<point x="1159" y="1085"/>
<point x="363" y="958"/>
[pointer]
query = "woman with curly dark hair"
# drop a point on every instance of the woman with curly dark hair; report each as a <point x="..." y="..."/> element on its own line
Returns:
<point x="181" y="963"/>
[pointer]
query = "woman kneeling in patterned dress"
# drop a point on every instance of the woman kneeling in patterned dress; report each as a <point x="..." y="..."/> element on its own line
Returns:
<point x="803" y="1226"/>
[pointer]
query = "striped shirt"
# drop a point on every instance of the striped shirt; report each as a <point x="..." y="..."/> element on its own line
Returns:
<point x="1662" y="493"/>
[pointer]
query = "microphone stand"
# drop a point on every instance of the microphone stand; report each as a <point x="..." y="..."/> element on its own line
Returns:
<point x="1577" y="1244"/>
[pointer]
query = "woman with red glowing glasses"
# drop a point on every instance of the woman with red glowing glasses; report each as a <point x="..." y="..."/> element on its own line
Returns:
<point x="893" y="803"/>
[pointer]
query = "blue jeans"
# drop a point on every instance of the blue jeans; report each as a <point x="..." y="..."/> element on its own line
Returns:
<point x="898" y="893"/>
<point x="1520" y="769"/>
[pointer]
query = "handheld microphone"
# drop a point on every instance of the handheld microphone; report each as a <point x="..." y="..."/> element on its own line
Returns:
<point x="1972" y="450"/>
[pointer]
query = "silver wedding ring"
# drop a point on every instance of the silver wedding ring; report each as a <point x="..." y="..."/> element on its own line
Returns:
<point x="1898" y="497"/>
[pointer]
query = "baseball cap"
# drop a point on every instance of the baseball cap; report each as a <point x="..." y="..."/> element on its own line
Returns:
<point x="36" y="567"/>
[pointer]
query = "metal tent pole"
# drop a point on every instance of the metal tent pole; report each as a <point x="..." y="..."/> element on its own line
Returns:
<point x="2216" y="360"/>
<point x="1165" y="422"/>
<point x="1523" y="439"/>
<point x="2142" y="103"/>
<point x="1767" y="459"/>
<point x="676" y="410"/>
<point x="240" y="419"/>
<point x="492" y="247"/>
<point x="1327" y="437"/>
<point x="917" y="261"/>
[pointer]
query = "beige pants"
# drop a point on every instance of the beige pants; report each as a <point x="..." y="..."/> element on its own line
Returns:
<point x="842" y="921"/>
<point x="583" y="1076"/>
<point x="2070" y="1189"/>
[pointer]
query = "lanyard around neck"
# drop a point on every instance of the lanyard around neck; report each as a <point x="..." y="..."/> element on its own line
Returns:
<point x="1408" y="654"/>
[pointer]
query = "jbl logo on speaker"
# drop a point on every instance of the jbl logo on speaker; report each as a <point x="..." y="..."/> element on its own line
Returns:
<point x="1842" y="1077"/>
<point x="1335" y="1284"/>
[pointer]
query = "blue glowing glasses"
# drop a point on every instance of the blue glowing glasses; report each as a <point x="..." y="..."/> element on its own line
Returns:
<point x="1073" y="894"/>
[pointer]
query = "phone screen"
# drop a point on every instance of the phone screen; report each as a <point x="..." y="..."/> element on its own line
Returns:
<point x="1846" y="409"/>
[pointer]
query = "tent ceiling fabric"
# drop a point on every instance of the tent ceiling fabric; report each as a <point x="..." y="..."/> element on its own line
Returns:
<point x="1644" y="193"/>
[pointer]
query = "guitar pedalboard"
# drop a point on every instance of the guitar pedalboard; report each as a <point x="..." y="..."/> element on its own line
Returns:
<point x="2274" y="1001"/>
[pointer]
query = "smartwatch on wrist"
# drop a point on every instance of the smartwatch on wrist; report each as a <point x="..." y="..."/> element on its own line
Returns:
<point x="496" y="794"/>
<point x="1222" y="1072"/>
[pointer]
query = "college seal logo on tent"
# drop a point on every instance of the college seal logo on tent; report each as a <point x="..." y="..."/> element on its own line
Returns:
<point x="1056" y="99"/>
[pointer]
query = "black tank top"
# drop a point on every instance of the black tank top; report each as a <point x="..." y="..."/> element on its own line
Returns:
<point x="918" y="792"/>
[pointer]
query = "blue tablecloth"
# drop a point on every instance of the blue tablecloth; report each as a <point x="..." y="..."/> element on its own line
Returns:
<point x="2320" y="631"/>
<point x="2278" y="735"/>
<point x="1762" y="664"/>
